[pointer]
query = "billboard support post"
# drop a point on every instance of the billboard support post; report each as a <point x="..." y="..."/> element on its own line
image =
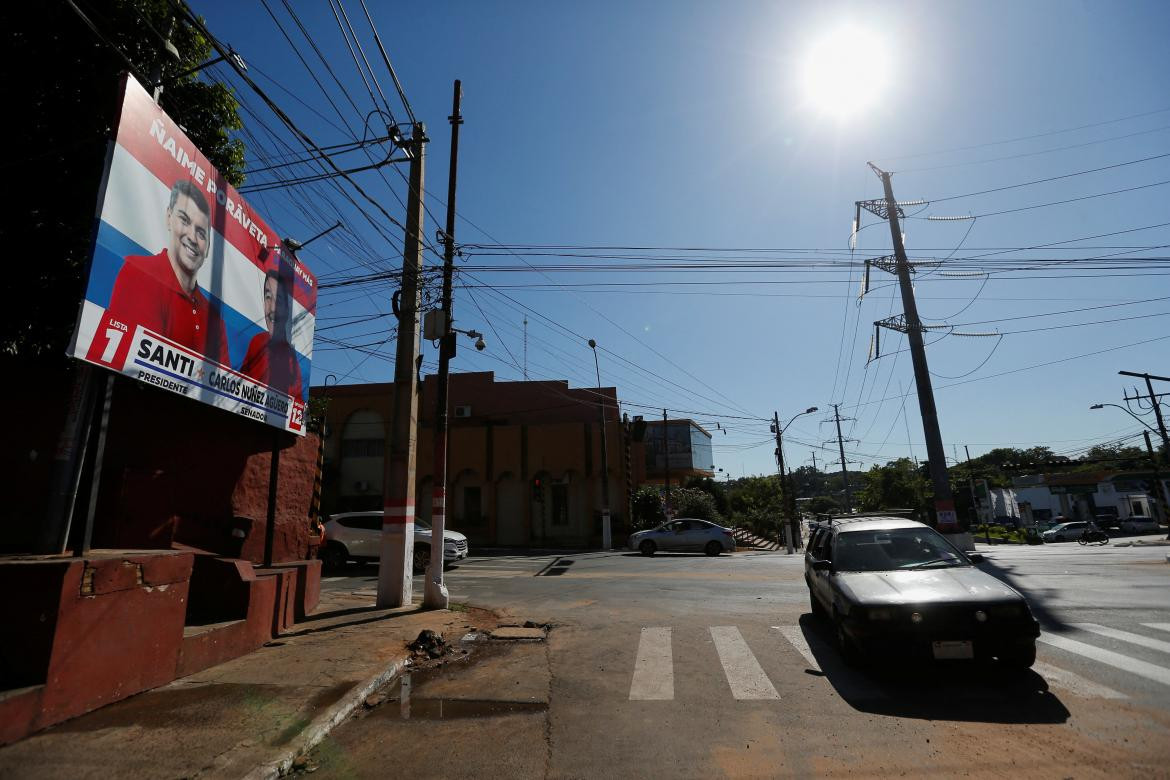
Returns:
<point x="395" y="586"/>
<point x="273" y="481"/>
<point x="95" y="482"/>
<point x="65" y="481"/>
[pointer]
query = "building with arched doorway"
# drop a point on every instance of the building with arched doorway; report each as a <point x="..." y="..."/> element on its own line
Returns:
<point x="524" y="458"/>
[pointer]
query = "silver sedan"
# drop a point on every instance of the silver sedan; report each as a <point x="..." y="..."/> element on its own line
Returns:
<point x="684" y="534"/>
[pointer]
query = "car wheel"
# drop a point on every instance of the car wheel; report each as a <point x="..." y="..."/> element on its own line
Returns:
<point x="334" y="556"/>
<point x="849" y="652"/>
<point x="1020" y="657"/>
<point x="713" y="548"/>
<point x="647" y="548"/>
<point x="421" y="557"/>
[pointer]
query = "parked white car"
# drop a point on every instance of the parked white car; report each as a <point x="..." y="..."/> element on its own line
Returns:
<point x="1138" y="524"/>
<point x="357" y="536"/>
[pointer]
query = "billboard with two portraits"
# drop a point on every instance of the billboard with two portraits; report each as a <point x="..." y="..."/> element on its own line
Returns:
<point x="189" y="289"/>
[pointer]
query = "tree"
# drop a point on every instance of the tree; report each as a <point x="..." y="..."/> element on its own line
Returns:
<point x="64" y="81"/>
<point x="647" y="503"/>
<point x="650" y="504"/>
<point x="715" y="489"/>
<point x="692" y="502"/>
<point x="756" y="502"/>
<point x="896" y="485"/>
<point x="822" y="505"/>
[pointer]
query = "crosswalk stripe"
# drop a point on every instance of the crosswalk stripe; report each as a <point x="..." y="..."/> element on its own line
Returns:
<point x="744" y="673"/>
<point x="1110" y="658"/>
<point x="654" y="669"/>
<point x="796" y="638"/>
<point x="1159" y="626"/>
<point x="1074" y="683"/>
<point x="1125" y="636"/>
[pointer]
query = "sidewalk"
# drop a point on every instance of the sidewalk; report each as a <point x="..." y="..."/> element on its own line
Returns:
<point x="251" y="715"/>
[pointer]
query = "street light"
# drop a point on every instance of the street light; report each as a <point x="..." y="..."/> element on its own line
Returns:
<point x="606" y="531"/>
<point x="793" y="528"/>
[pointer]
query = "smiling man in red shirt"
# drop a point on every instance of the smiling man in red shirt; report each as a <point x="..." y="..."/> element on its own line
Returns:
<point x="159" y="291"/>
<point x="271" y="358"/>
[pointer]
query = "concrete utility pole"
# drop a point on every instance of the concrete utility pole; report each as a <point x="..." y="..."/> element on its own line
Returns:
<point x="944" y="503"/>
<point x="787" y="490"/>
<point x="397" y="554"/>
<point x="626" y="464"/>
<point x="783" y="482"/>
<point x="435" y="591"/>
<point x="606" y="531"/>
<point x="666" y="461"/>
<point x="844" y="465"/>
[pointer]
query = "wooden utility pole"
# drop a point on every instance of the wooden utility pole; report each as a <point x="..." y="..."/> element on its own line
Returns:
<point x="1157" y="407"/>
<point x="1158" y="491"/>
<point x="397" y="554"/>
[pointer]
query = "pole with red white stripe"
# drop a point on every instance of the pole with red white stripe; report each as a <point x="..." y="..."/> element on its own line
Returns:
<point x="395" y="586"/>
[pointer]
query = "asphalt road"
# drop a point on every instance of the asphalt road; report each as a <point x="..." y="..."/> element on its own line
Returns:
<point x="688" y="666"/>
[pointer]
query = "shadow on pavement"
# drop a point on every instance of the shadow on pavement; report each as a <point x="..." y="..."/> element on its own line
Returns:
<point x="957" y="691"/>
<point x="376" y="613"/>
<point x="1037" y="597"/>
<point x="337" y="613"/>
<point x="668" y="554"/>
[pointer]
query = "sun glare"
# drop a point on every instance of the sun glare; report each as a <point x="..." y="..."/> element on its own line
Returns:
<point x="846" y="71"/>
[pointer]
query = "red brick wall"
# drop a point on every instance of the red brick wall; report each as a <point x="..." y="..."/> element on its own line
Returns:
<point x="174" y="471"/>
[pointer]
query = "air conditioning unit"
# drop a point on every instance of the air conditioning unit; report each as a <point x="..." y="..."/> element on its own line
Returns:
<point x="462" y="411"/>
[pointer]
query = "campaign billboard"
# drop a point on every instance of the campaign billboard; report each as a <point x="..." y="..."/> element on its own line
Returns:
<point x="189" y="289"/>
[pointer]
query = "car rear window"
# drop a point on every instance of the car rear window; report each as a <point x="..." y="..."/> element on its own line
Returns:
<point x="362" y="522"/>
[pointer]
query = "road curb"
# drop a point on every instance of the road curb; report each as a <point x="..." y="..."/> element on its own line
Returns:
<point x="320" y="726"/>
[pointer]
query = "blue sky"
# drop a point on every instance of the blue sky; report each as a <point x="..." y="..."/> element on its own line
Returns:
<point x="670" y="125"/>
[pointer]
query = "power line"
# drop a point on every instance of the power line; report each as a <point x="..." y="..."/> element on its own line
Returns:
<point x="1053" y="150"/>
<point x="1050" y="179"/>
<point x="1025" y="137"/>
<point x="1071" y="200"/>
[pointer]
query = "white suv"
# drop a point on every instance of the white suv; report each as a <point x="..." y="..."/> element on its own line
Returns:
<point x="358" y="536"/>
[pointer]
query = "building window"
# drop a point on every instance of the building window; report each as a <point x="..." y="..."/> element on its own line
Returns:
<point x="560" y="504"/>
<point x="362" y="448"/>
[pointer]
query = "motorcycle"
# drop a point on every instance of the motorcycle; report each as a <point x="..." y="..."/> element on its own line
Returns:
<point x="1093" y="536"/>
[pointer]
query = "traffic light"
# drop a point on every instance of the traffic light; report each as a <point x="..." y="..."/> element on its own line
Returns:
<point x="537" y="489"/>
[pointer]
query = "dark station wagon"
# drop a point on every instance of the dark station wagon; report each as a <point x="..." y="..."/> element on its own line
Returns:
<point x="892" y="586"/>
